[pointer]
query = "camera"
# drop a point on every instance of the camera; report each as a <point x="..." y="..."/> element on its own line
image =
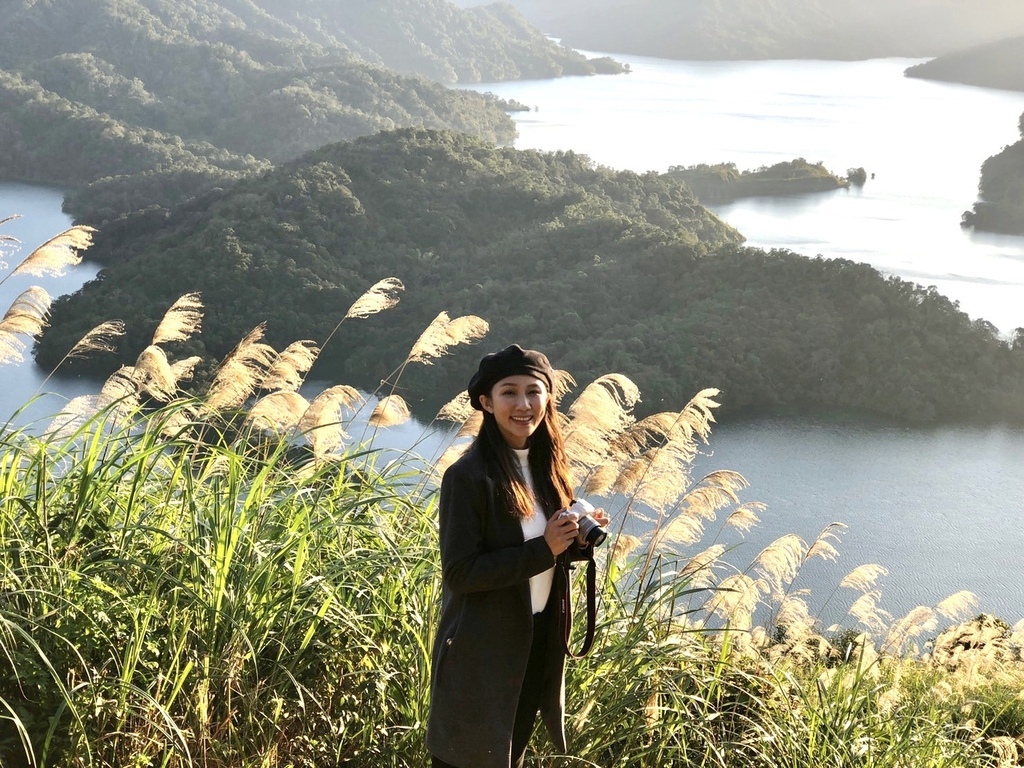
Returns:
<point x="591" y="530"/>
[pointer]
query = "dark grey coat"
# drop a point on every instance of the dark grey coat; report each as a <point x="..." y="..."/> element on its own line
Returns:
<point x="486" y="628"/>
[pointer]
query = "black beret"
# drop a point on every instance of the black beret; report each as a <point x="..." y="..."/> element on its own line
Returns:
<point x="510" y="361"/>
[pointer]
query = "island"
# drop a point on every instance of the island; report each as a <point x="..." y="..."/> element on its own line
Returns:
<point x="723" y="182"/>
<point x="606" y="269"/>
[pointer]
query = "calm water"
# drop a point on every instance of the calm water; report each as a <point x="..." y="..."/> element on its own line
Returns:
<point x="924" y="141"/>
<point x="41" y="219"/>
<point x="941" y="508"/>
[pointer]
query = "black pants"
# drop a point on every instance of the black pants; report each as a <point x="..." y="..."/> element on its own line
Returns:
<point x="530" y="695"/>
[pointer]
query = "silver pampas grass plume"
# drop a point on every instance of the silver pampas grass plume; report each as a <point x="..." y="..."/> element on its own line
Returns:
<point x="57" y="254"/>
<point x="278" y="412"/>
<point x="321" y="423"/>
<point x="183" y="319"/>
<point x="391" y="411"/>
<point x="381" y="296"/>
<point x="25" y="317"/>
<point x="155" y="373"/>
<point x="102" y="338"/>
<point x="289" y="368"/>
<point x="241" y="372"/>
<point x="444" y="333"/>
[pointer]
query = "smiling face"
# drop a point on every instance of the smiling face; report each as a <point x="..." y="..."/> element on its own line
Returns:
<point x="518" y="404"/>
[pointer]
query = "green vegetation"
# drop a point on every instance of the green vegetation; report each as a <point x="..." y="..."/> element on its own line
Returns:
<point x="158" y="103"/>
<point x="183" y="586"/>
<point x="723" y="182"/>
<point x="50" y="139"/>
<point x="245" y="579"/>
<point x="431" y="38"/>
<point x="994" y="65"/>
<point x="776" y="29"/>
<point x="1001" y="208"/>
<point x="438" y="40"/>
<point x="603" y="269"/>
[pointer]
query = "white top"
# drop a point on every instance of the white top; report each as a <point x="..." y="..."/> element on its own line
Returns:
<point x="533" y="527"/>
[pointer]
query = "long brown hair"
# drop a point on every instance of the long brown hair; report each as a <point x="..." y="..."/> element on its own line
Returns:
<point x="549" y="466"/>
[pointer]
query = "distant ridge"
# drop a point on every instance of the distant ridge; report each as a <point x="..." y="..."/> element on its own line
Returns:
<point x="164" y="99"/>
<point x="995" y="65"/>
<point x="775" y="29"/>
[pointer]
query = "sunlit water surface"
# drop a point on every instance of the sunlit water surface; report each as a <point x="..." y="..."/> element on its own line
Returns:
<point x="923" y="141"/>
<point x="25" y="383"/>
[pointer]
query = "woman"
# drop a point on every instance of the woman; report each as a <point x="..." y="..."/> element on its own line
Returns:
<point x="498" y="659"/>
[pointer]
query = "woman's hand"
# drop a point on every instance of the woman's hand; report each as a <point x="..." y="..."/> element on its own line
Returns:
<point x="560" y="531"/>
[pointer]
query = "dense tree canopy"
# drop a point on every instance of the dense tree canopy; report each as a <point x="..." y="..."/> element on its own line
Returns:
<point x="166" y="99"/>
<point x="46" y="137"/>
<point x="437" y="39"/>
<point x="1001" y="208"/>
<point x="605" y="270"/>
<point x="724" y="182"/>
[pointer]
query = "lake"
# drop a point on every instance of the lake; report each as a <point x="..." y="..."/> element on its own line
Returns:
<point x="41" y="219"/>
<point x="940" y="508"/>
<point x="924" y="142"/>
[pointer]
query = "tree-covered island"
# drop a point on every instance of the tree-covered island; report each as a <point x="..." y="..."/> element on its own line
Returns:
<point x="183" y="128"/>
<point x="609" y="270"/>
<point x="724" y="182"/>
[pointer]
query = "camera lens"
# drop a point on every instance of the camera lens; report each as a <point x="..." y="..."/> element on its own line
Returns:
<point x="592" y="531"/>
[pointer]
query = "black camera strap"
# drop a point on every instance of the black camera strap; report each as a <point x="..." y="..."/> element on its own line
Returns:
<point x="565" y="607"/>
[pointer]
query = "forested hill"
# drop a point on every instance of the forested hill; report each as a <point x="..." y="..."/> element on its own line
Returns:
<point x="165" y="98"/>
<point x="433" y="38"/>
<point x="994" y="65"/>
<point x="437" y="39"/>
<point x="1001" y="208"/>
<point x="606" y="270"/>
<point x="775" y="29"/>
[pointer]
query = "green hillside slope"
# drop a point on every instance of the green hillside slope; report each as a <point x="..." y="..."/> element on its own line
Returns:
<point x="165" y="99"/>
<point x="607" y="270"/>
<point x="1001" y="208"/>
<point x="437" y="39"/>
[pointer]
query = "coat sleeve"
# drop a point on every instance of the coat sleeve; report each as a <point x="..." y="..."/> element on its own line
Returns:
<point x="467" y="563"/>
